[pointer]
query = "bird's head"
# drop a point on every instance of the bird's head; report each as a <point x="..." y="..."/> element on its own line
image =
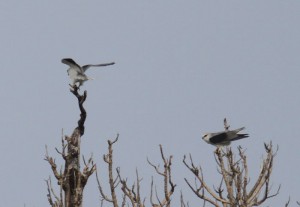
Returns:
<point x="206" y="136"/>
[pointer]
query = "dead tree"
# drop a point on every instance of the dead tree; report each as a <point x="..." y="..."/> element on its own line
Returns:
<point x="131" y="195"/>
<point x="234" y="189"/>
<point x="71" y="180"/>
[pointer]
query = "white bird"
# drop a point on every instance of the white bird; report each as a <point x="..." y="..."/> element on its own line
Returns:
<point x="224" y="138"/>
<point x="77" y="73"/>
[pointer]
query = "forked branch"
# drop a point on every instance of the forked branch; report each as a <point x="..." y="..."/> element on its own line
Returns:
<point x="169" y="186"/>
<point x="108" y="158"/>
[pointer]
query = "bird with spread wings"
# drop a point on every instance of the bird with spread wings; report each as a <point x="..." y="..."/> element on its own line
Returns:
<point x="77" y="72"/>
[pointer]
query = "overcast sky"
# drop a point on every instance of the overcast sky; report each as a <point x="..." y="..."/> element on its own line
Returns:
<point x="181" y="67"/>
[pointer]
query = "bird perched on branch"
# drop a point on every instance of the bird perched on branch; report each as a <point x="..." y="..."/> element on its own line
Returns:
<point x="77" y="73"/>
<point x="224" y="138"/>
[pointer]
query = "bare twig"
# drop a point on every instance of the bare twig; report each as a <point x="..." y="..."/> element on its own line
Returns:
<point x="169" y="186"/>
<point x="103" y="196"/>
<point x="58" y="200"/>
<point x="51" y="161"/>
<point x="199" y="190"/>
<point x="108" y="158"/>
<point x="226" y="125"/>
<point x="288" y="202"/>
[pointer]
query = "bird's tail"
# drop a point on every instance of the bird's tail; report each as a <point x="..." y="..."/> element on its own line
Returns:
<point x="239" y="129"/>
<point x="91" y="78"/>
<point x="239" y="136"/>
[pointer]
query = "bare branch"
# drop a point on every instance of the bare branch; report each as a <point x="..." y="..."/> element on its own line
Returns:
<point x="81" y="99"/>
<point x="288" y="202"/>
<point x="155" y="167"/>
<point x="151" y="193"/>
<point x="263" y="179"/>
<point x="169" y="186"/>
<point x="126" y="190"/>
<point x="200" y="191"/>
<point x="226" y="125"/>
<point x="58" y="200"/>
<point x="51" y="161"/>
<point x="103" y="196"/>
<point x="108" y="158"/>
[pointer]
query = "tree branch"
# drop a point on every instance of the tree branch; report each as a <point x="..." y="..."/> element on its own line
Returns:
<point x="167" y="180"/>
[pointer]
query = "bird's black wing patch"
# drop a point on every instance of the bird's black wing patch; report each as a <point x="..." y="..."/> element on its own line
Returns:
<point x="218" y="138"/>
<point x="70" y="62"/>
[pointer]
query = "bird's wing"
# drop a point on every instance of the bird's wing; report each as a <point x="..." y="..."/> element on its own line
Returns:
<point x="218" y="138"/>
<point x="73" y="65"/>
<point x="238" y="130"/>
<point x="85" y="67"/>
<point x="240" y="136"/>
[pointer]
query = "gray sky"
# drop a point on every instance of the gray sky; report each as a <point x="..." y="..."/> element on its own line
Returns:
<point x="181" y="67"/>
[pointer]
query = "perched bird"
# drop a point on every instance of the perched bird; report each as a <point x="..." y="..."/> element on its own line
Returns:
<point x="224" y="138"/>
<point x="77" y="73"/>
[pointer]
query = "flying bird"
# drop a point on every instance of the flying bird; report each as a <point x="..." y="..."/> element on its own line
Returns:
<point x="77" y="73"/>
<point x="224" y="138"/>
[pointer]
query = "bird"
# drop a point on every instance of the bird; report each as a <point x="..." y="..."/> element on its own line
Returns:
<point x="224" y="138"/>
<point x="77" y="72"/>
